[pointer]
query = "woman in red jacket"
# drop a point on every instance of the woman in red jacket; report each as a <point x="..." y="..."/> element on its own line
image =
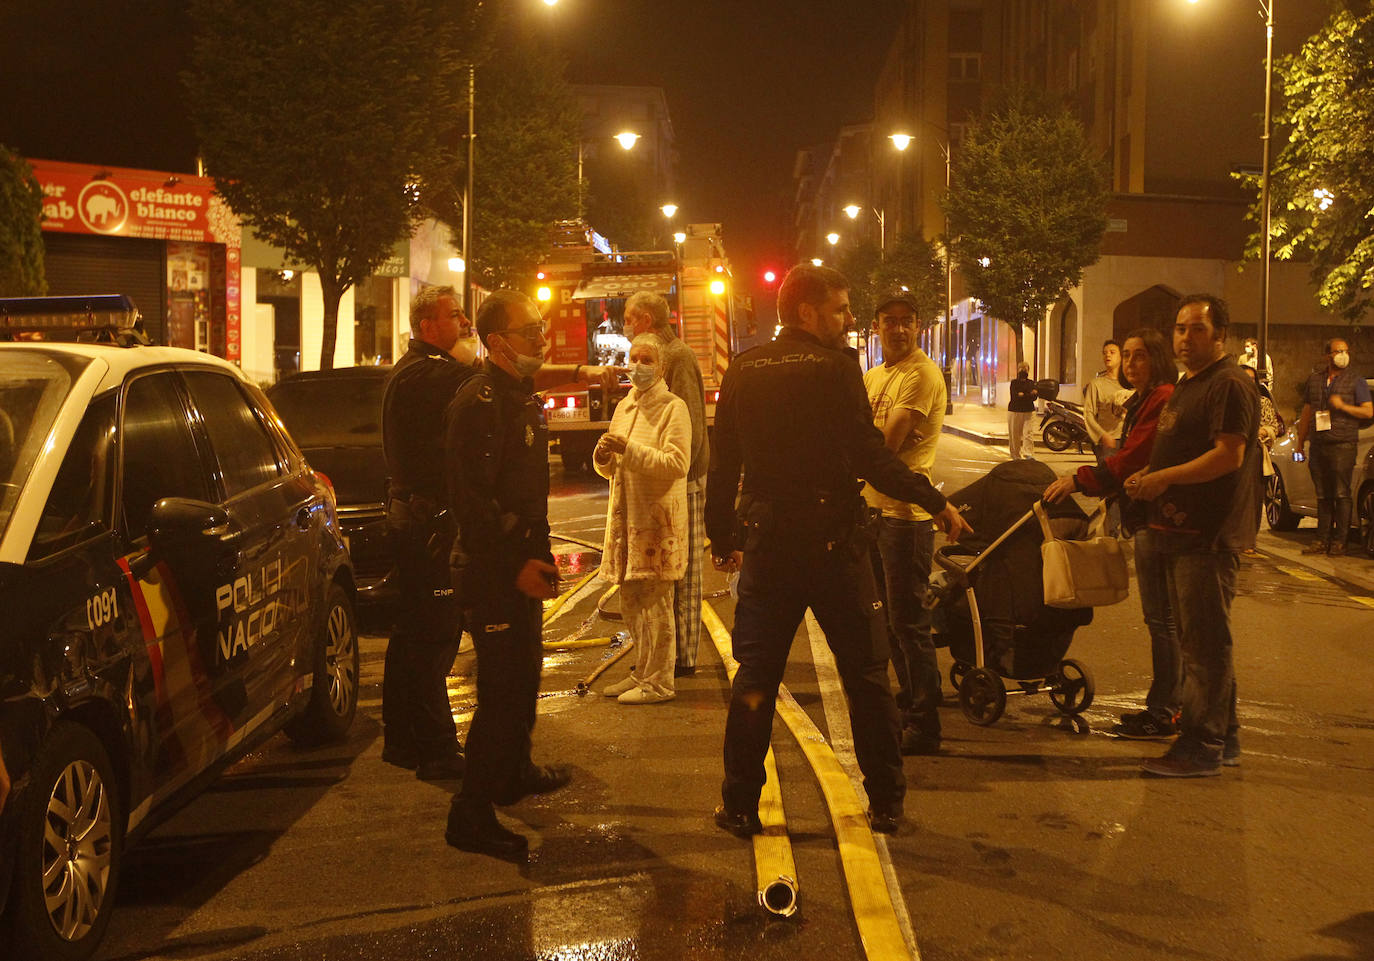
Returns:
<point x="1147" y="364"/>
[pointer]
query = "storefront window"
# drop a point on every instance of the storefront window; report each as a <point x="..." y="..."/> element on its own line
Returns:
<point x="282" y="290"/>
<point x="373" y="320"/>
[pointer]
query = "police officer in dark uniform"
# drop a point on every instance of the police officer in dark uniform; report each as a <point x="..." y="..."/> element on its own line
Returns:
<point x="794" y="416"/>
<point x="498" y="482"/>
<point x="418" y="729"/>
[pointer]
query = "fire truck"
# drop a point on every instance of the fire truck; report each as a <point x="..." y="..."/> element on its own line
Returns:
<point x="583" y="286"/>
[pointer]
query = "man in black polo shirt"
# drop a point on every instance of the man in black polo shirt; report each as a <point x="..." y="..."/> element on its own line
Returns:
<point x="1200" y="484"/>
<point x="1335" y="400"/>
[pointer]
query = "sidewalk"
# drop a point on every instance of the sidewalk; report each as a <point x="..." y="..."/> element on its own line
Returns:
<point x="983" y="425"/>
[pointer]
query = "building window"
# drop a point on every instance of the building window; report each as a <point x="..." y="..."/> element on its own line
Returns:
<point x="965" y="67"/>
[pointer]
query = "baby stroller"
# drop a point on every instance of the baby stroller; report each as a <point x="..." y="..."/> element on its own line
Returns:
<point x="987" y="599"/>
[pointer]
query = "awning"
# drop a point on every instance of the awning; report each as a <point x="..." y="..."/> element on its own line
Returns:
<point x="622" y="285"/>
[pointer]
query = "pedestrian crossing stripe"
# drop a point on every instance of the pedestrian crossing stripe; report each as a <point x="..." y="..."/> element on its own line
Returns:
<point x="1301" y="574"/>
<point x="1366" y="601"/>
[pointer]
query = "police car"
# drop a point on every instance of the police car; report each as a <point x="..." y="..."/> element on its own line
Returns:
<point x="174" y="588"/>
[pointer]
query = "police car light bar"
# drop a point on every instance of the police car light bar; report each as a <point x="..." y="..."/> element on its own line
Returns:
<point x="53" y="317"/>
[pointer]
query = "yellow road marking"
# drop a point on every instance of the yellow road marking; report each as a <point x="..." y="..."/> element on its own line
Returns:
<point x="1366" y="601"/>
<point x="1301" y="574"/>
<point x="874" y="915"/>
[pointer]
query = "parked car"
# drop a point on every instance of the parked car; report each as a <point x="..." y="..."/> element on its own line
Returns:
<point x="175" y="589"/>
<point x="1289" y="495"/>
<point x="336" y="418"/>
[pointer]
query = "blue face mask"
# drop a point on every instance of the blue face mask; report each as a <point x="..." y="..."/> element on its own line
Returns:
<point x="643" y="376"/>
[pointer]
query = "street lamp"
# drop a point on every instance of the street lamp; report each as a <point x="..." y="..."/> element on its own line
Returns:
<point x="901" y="141"/>
<point x="852" y="211"/>
<point x="669" y="210"/>
<point x="1267" y="10"/>
<point x="832" y="238"/>
<point x="627" y="140"/>
<point x="817" y="262"/>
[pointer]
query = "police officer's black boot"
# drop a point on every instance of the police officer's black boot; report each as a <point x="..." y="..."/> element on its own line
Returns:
<point x="472" y="826"/>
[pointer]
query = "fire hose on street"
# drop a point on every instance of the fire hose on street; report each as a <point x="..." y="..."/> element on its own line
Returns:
<point x="874" y="915"/>
<point x="774" y="865"/>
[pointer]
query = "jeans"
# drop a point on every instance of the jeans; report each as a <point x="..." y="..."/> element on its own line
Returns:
<point x="901" y="563"/>
<point x="1331" y="465"/>
<point x="1165" y="697"/>
<point x="778" y="582"/>
<point x="1202" y="585"/>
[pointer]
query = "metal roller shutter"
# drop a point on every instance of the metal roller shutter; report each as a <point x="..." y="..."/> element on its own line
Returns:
<point x="88" y="264"/>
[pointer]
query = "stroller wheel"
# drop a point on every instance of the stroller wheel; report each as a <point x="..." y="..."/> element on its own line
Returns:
<point x="1072" y="690"/>
<point x="982" y="697"/>
<point x="957" y="670"/>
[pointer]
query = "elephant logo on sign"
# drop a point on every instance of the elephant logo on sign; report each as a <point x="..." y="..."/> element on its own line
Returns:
<point x="103" y="206"/>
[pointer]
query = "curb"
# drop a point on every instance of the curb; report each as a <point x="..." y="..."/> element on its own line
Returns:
<point x="973" y="435"/>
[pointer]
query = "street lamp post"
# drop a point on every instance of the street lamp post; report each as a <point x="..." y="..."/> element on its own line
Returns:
<point x="1268" y="7"/>
<point x="468" y="196"/>
<point x="901" y="141"/>
<point x="852" y="211"/>
<point x="1267" y="10"/>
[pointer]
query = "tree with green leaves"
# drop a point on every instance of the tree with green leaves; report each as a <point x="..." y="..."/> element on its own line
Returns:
<point x="910" y="262"/>
<point x="1322" y="181"/>
<point x="21" y="238"/>
<point x="322" y="119"/>
<point x="1027" y="208"/>
<point x="527" y="122"/>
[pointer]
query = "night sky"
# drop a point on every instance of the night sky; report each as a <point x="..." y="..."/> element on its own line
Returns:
<point x="748" y="83"/>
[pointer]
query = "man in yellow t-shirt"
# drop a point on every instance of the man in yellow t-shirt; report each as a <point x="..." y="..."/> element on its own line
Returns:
<point x="907" y="394"/>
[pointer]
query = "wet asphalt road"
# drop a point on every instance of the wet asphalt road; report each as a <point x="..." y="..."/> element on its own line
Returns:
<point x="1031" y="838"/>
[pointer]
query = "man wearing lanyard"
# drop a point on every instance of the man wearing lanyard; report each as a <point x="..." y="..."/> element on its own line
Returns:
<point x="1335" y="400"/>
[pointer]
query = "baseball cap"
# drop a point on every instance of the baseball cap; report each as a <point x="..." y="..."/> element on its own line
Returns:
<point x="897" y="296"/>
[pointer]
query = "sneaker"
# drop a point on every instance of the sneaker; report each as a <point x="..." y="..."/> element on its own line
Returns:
<point x="685" y="670"/>
<point x="1145" y="726"/>
<point x="1230" y="751"/>
<point x="537" y="780"/>
<point x="1319" y="547"/>
<point x="1187" y="759"/>
<point x="743" y="825"/>
<point x="646" y="695"/>
<point x="918" y="742"/>
<point x="628" y="683"/>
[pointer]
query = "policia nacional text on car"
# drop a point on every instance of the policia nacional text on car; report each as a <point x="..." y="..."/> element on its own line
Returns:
<point x="793" y="414"/>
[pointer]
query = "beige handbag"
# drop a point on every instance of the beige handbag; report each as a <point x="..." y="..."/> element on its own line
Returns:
<point x="1084" y="573"/>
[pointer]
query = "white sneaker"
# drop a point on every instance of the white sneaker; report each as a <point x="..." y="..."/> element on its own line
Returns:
<point x="644" y="695"/>
<point x="628" y="683"/>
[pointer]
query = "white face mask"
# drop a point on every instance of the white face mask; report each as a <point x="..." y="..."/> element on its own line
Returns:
<point x="527" y="366"/>
<point x="464" y="350"/>
<point x="643" y="376"/>
<point x="1341" y="359"/>
<point x="1249" y="350"/>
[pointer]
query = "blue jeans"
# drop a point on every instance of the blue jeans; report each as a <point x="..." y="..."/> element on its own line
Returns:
<point x="901" y="564"/>
<point x="1152" y="577"/>
<point x="1331" y="465"/>
<point x="1202" y="585"/>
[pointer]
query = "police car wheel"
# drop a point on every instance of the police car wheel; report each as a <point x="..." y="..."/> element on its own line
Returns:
<point x="334" y="691"/>
<point x="71" y="839"/>
<point x="1276" y="510"/>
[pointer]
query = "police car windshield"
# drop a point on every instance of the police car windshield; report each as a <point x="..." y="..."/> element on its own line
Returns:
<point x="33" y="385"/>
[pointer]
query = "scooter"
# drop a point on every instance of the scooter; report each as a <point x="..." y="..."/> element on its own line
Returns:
<point x="1062" y="426"/>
